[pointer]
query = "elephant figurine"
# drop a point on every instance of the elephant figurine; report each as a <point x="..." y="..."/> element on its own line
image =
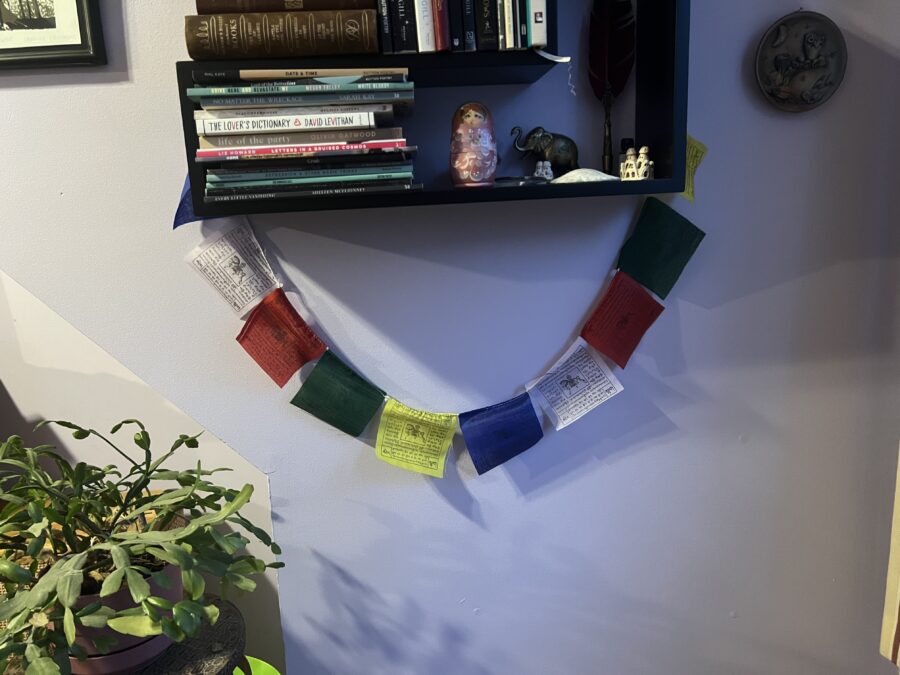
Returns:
<point x="559" y="150"/>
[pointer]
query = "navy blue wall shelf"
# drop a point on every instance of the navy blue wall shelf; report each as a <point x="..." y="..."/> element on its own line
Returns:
<point x="445" y="80"/>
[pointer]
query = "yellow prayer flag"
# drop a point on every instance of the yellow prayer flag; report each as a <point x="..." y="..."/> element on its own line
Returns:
<point x="890" y="623"/>
<point x="414" y="439"/>
<point x="696" y="151"/>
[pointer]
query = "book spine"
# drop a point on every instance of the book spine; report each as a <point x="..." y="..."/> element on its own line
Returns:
<point x="457" y="40"/>
<point x="210" y="76"/>
<point x="299" y="100"/>
<point x="508" y="24"/>
<point x="311" y="187"/>
<point x="336" y="136"/>
<point x="318" y="192"/>
<point x="486" y="24"/>
<point x="276" y="123"/>
<point x="523" y="24"/>
<point x="344" y="159"/>
<point x="425" y="25"/>
<point x="517" y="34"/>
<point x="384" y="23"/>
<point x="220" y="188"/>
<point x="243" y="6"/>
<point x="381" y="110"/>
<point x="403" y="27"/>
<point x="537" y="23"/>
<point x="280" y="35"/>
<point x="195" y="93"/>
<point x="441" y="13"/>
<point x="501" y="24"/>
<point x="268" y="151"/>
<point x="468" y="15"/>
<point x="225" y="176"/>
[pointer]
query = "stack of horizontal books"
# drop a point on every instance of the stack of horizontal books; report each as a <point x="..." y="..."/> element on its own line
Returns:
<point x="267" y="134"/>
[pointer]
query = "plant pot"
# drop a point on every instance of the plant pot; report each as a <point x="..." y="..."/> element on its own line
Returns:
<point x="129" y="653"/>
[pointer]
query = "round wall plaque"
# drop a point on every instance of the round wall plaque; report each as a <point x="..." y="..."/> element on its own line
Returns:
<point x="800" y="61"/>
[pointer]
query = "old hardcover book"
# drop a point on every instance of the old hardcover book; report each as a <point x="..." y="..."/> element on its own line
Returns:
<point x="295" y="122"/>
<point x="403" y="27"/>
<point x="238" y="6"/>
<point x="301" y="138"/>
<point x="281" y="34"/>
<point x="468" y="16"/>
<point x="486" y="24"/>
<point x="384" y="24"/>
<point x="441" y="13"/>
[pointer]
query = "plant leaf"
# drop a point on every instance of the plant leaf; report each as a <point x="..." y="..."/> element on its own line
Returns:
<point x="212" y="614"/>
<point x="69" y="625"/>
<point x="137" y="585"/>
<point x="68" y="588"/>
<point x="97" y="619"/>
<point x="43" y="666"/>
<point x="119" y="556"/>
<point x="104" y="643"/>
<point x="138" y="626"/>
<point x="193" y="583"/>
<point x="171" y="629"/>
<point x="187" y="621"/>
<point x="112" y="583"/>
<point x="12" y="572"/>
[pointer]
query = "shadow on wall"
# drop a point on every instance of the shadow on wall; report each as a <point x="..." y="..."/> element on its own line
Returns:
<point x="371" y="633"/>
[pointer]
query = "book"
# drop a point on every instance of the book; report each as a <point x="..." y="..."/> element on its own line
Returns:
<point x="516" y="33"/>
<point x="523" y="24"/>
<point x="425" y="25"/>
<point x="457" y="40"/>
<point x="282" y="183"/>
<point x="214" y="76"/>
<point x="281" y="34"/>
<point x="276" y="150"/>
<point x="328" y="191"/>
<point x="537" y="23"/>
<point x="441" y="13"/>
<point x="501" y="24"/>
<point x="298" y="100"/>
<point x="468" y="14"/>
<point x="196" y="93"/>
<point x="218" y="176"/>
<point x="384" y="24"/>
<point x="282" y="123"/>
<point x="325" y="156"/>
<point x="403" y="27"/>
<point x="242" y="6"/>
<point x="382" y="111"/>
<point x="331" y="136"/>
<point x="486" y="25"/>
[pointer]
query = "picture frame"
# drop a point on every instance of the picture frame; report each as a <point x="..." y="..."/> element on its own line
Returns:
<point x="49" y="33"/>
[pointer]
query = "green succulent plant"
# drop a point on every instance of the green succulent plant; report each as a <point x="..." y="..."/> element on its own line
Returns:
<point x="68" y="531"/>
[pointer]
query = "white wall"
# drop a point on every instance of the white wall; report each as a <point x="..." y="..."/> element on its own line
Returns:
<point x="48" y="370"/>
<point x="728" y="513"/>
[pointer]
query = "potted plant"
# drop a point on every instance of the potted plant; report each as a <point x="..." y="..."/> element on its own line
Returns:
<point x="103" y="567"/>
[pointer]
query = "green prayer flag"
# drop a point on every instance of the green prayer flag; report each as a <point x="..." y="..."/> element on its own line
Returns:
<point x="335" y="394"/>
<point x="659" y="248"/>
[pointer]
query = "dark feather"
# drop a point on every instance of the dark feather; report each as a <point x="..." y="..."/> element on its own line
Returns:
<point x="611" y="46"/>
<point x="610" y="59"/>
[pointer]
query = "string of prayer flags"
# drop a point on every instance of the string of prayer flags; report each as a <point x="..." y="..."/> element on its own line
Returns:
<point x="576" y="384"/>
<point x="696" y="151"/>
<point x="335" y="394"/>
<point x="659" y="248"/>
<point x="621" y="319"/>
<point x="415" y="439"/>
<point x="496" y="434"/>
<point x="184" y="213"/>
<point x="278" y="338"/>
<point x="233" y="263"/>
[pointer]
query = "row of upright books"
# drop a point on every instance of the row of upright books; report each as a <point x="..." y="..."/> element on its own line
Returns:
<point x="239" y="29"/>
<point x="270" y="134"/>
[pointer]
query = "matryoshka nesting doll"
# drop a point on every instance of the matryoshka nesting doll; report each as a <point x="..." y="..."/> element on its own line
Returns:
<point x="473" y="146"/>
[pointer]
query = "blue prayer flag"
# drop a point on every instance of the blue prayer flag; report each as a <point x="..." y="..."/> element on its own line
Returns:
<point x="498" y="433"/>
<point x="185" y="211"/>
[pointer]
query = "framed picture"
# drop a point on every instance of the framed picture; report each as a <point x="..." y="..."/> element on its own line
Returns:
<point x="35" y="33"/>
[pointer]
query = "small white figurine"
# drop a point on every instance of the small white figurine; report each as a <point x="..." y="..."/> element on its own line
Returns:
<point x="636" y="167"/>
<point x="543" y="170"/>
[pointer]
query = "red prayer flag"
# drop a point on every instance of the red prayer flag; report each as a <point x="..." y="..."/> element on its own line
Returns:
<point x="621" y="319"/>
<point x="278" y="338"/>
